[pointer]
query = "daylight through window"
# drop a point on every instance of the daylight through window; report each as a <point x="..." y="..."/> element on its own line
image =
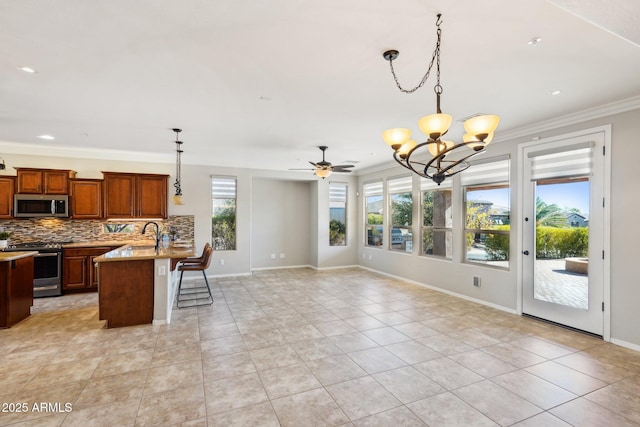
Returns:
<point x="223" y="217"/>
<point x="337" y="214"/>
<point x="487" y="213"/>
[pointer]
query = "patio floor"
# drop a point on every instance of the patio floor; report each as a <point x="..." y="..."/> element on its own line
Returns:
<point x="555" y="284"/>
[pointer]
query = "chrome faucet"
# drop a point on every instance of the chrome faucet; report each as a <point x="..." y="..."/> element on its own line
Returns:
<point x="157" y="232"/>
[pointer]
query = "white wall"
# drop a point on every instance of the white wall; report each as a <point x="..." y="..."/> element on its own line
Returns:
<point x="280" y="223"/>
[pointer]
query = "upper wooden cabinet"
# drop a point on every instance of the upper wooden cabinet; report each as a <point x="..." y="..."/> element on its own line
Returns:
<point x="43" y="181"/>
<point x="7" y="185"/>
<point x="129" y="195"/>
<point x="86" y="198"/>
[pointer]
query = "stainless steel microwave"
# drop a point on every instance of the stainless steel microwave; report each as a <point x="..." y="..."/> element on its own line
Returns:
<point x="40" y="205"/>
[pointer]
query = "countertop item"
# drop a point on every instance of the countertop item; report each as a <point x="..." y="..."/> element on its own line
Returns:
<point x="139" y="252"/>
<point x="11" y="256"/>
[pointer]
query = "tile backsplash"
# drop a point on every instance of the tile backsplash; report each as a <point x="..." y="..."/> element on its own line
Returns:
<point x="69" y="230"/>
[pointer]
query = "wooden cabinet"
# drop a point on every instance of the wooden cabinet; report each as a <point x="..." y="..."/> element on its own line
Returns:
<point x="7" y="185"/>
<point x="126" y="293"/>
<point x="79" y="270"/>
<point x="43" y="181"/>
<point x="86" y="198"/>
<point x="16" y="290"/>
<point x="128" y="195"/>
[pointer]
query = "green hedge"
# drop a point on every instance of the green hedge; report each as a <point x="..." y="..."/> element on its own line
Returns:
<point x="497" y="245"/>
<point x="554" y="243"/>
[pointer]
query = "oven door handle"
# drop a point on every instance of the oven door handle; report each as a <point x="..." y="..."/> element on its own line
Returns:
<point x="46" y="254"/>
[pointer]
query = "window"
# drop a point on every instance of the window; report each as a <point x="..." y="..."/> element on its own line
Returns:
<point x="223" y="217"/>
<point x="487" y="213"/>
<point x="401" y="208"/>
<point x="337" y="214"/>
<point x="374" y="211"/>
<point x="437" y="221"/>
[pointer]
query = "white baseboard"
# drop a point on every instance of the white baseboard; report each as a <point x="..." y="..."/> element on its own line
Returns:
<point x="445" y="291"/>
<point x="625" y="344"/>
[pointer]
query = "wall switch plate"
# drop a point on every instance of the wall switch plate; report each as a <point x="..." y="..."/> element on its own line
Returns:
<point x="221" y="262"/>
<point x="282" y="256"/>
<point x="476" y="281"/>
<point x="162" y="271"/>
<point x="273" y="256"/>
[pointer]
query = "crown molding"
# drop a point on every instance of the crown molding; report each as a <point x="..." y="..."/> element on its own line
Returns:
<point x="605" y="110"/>
<point x="85" y="153"/>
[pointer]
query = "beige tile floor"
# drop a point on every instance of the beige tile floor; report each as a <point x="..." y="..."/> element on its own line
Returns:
<point x="300" y="348"/>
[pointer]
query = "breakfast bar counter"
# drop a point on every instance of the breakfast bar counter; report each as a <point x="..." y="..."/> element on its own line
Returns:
<point x="136" y="284"/>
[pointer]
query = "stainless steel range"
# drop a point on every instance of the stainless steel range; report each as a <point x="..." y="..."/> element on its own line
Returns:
<point x="47" y="274"/>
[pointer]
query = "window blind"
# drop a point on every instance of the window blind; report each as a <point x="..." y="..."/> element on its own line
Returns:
<point x="372" y="189"/>
<point x="563" y="162"/>
<point x="400" y="185"/>
<point x="337" y="193"/>
<point x="491" y="172"/>
<point x="223" y="187"/>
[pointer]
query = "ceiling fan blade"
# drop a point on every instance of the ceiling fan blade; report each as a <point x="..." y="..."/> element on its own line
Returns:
<point x="306" y="169"/>
<point x="344" y="166"/>
<point x="315" y="165"/>
<point x="341" y="170"/>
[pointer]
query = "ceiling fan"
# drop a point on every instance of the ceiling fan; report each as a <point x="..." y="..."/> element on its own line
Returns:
<point x="323" y="168"/>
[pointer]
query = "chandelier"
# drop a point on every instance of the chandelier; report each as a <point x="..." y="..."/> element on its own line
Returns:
<point x="177" y="198"/>
<point x="447" y="158"/>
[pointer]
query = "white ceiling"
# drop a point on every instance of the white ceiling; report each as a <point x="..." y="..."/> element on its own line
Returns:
<point x="261" y="84"/>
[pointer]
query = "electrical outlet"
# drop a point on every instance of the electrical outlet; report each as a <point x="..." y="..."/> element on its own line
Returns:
<point x="221" y="262"/>
<point x="370" y="257"/>
<point x="282" y="255"/>
<point x="476" y="281"/>
<point x="273" y="256"/>
<point x="162" y="271"/>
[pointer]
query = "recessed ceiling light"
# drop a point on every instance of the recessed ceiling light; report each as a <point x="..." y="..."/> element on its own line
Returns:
<point x="27" y="70"/>
<point x="47" y="137"/>
<point x="555" y="92"/>
<point x="534" y="41"/>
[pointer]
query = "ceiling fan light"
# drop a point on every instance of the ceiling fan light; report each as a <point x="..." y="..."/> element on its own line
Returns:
<point x="396" y="137"/>
<point x="406" y="147"/>
<point x="435" y="125"/>
<point x="323" y="173"/>
<point x="437" y="147"/>
<point x="478" y="125"/>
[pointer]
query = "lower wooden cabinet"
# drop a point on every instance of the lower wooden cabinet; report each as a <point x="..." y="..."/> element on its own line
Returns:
<point x="78" y="271"/>
<point x="16" y="290"/>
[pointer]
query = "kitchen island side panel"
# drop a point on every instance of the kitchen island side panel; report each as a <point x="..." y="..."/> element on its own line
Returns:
<point x="125" y="292"/>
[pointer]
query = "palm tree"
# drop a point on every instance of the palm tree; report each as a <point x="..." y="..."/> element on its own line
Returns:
<point x="549" y="215"/>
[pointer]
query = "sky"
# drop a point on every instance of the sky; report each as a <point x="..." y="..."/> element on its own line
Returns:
<point x="566" y="196"/>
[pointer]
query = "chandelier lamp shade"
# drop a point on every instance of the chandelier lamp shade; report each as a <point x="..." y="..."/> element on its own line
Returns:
<point x="177" y="197"/>
<point x="437" y="159"/>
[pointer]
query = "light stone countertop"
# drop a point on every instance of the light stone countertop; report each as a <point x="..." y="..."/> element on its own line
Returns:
<point x="96" y="243"/>
<point x="11" y="256"/>
<point x="139" y="252"/>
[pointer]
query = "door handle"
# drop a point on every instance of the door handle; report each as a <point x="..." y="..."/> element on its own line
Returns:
<point x="525" y="252"/>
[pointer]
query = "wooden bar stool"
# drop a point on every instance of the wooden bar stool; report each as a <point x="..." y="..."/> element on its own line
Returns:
<point x="193" y="294"/>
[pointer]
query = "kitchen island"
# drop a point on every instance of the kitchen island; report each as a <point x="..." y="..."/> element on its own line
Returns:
<point x="16" y="286"/>
<point x="136" y="284"/>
